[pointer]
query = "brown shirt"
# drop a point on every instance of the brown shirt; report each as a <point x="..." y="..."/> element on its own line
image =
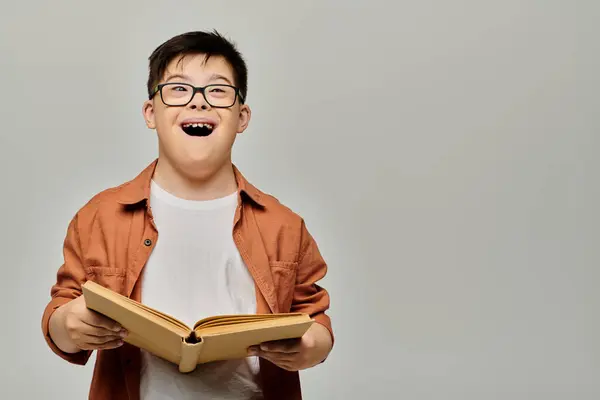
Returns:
<point x="110" y="239"/>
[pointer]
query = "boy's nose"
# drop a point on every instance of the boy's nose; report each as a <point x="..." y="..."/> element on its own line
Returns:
<point x="198" y="101"/>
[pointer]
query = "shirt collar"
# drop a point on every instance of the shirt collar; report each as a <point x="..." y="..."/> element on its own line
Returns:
<point x="138" y="189"/>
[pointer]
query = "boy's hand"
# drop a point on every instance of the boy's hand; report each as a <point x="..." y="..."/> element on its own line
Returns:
<point x="297" y="354"/>
<point x="74" y="327"/>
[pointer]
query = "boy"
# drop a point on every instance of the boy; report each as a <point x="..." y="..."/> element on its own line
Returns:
<point x="191" y="237"/>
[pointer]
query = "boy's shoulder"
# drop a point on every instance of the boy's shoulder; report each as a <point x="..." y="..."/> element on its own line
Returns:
<point x="106" y="202"/>
<point x="272" y="206"/>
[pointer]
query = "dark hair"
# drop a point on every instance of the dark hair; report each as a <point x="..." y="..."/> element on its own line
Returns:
<point x="199" y="42"/>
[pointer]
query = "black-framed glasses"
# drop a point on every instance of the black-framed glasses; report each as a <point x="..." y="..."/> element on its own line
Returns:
<point x="177" y="94"/>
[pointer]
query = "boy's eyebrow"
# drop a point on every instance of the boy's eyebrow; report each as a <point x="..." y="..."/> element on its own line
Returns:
<point x="215" y="77"/>
<point x="178" y="76"/>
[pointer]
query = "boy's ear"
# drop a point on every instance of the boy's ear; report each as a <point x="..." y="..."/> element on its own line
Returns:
<point x="148" y="111"/>
<point x="245" y="115"/>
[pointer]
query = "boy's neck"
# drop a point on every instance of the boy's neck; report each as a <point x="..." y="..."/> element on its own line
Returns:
<point x="219" y="184"/>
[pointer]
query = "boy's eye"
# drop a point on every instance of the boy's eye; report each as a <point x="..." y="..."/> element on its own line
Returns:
<point x="179" y="88"/>
<point x="217" y="90"/>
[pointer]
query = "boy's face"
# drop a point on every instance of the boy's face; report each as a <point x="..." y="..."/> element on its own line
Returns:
<point x="196" y="138"/>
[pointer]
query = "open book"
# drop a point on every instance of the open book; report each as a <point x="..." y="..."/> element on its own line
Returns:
<point x="215" y="338"/>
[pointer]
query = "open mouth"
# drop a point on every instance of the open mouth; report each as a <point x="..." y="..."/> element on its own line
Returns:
<point x="200" y="130"/>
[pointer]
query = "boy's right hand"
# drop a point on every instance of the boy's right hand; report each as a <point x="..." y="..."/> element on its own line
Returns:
<point x="74" y="327"/>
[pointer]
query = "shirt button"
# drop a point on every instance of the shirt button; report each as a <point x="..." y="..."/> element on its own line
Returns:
<point x="147" y="242"/>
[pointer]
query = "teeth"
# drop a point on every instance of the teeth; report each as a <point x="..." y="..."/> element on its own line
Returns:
<point x="209" y="126"/>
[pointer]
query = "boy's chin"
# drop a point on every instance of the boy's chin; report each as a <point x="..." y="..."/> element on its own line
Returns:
<point x="200" y="168"/>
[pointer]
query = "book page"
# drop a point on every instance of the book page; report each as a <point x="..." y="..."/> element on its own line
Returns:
<point x="237" y="318"/>
<point x="147" y="329"/>
<point x="232" y="341"/>
<point x="121" y="301"/>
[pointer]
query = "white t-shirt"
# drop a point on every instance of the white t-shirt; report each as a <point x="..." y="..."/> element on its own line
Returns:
<point x="195" y="271"/>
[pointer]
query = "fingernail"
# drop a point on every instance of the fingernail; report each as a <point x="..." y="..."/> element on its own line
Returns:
<point x="123" y="333"/>
<point x="120" y="343"/>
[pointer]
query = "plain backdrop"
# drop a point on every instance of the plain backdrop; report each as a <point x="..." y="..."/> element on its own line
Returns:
<point x="442" y="153"/>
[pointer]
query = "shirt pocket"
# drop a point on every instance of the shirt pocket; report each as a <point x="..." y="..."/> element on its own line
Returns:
<point x="284" y="279"/>
<point x="107" y="276"/>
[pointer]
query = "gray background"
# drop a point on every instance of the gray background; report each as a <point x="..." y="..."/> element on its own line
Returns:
<point x="443" y="153"/>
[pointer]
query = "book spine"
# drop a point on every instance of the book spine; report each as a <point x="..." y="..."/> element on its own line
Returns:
<point x="189" y="356"/>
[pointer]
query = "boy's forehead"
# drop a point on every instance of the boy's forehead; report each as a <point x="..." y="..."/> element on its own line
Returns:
<point x="197" y="65"/>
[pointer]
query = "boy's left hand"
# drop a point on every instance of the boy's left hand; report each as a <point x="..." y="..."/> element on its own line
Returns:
<point x="297" y="354"/>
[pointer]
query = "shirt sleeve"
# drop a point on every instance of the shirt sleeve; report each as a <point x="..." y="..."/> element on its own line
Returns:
<point x="70" y="278"/>
<point x="309" y="297"/>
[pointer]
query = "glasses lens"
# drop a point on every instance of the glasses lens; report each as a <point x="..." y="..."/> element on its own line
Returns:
<point x="220" y="95"/>
<point x="176" y="94"/>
